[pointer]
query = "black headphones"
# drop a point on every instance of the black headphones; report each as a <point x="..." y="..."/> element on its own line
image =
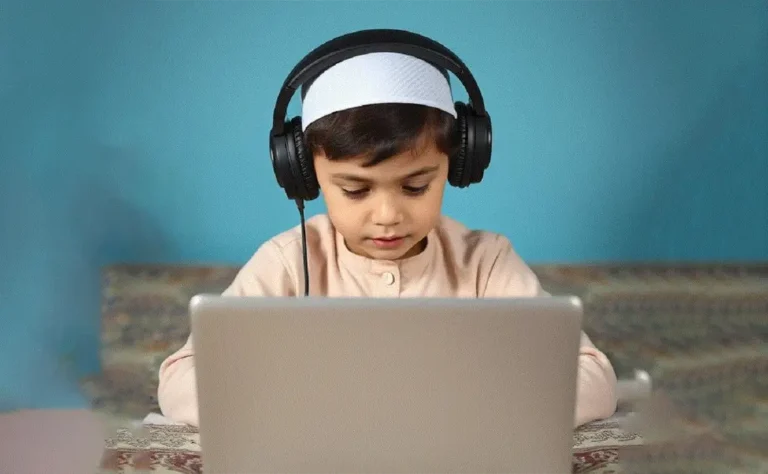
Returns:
<point x="292" y="162"/>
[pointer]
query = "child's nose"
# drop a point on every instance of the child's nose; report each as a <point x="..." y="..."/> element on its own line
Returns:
<point x="388" y="211"/>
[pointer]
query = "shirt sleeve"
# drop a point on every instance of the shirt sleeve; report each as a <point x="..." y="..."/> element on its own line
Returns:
<point x="265" y="274"/>
<point x="596" y="392"/>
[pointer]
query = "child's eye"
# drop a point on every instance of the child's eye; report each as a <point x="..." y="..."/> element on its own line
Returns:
<point x="355" y="193"/>
<point x="416" y="190"/>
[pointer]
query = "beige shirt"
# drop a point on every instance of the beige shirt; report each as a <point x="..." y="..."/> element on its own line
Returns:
<point x="457" y="262"/>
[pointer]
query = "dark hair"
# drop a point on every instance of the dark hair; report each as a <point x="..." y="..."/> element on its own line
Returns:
<point x="380" y="131"/>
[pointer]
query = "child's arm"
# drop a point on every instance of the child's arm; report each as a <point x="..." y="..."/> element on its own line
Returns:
<point x="596" y="396"/>
<point x="265" y="274"/>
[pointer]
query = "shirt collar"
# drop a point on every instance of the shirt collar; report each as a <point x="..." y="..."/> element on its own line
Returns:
<point x="407" y="267"/>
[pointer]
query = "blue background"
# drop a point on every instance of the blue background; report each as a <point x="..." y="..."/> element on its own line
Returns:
<point x="136" y="132"/>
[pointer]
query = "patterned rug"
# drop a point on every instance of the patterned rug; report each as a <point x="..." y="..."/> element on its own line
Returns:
<point x="176" y="448"/>
<point x="700" y="331"/>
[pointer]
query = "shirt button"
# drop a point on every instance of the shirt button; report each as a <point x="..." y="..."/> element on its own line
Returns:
<point x="388" y="278"/>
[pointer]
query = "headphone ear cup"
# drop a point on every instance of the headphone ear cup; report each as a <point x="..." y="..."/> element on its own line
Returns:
<point x="280" y="150"/>
<point x="480" y="144"/>
<point x="456" y="167"/>
<point x="293" y="168"/>
<point x="303" y="163"/>
<point x="473" y="156"/>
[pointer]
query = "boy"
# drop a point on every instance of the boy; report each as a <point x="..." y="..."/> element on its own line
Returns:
<point x="380" y="150"/>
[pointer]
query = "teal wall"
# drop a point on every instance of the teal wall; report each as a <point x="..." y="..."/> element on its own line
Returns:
<point x="136" y="131"/>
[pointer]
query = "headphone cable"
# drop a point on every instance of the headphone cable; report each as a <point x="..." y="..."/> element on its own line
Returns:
<point x="300" y="206"/>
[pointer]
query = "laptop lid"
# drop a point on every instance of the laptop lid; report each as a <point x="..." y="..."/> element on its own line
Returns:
<point x="386" y="385"/>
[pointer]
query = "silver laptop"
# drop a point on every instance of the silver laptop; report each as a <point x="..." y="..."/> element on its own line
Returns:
<point x="311" y="385"/>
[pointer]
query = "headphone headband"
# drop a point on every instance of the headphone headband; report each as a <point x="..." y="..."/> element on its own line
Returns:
<point x="373" y="41"/>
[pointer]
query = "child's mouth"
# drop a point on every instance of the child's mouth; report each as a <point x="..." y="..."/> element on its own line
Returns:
<point x="388" y="242"/>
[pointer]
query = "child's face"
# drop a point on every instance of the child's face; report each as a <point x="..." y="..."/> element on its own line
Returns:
<point x="384" y="211"/>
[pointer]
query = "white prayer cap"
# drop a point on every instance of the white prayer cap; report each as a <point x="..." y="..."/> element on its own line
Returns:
<point x="376" y="78"/>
